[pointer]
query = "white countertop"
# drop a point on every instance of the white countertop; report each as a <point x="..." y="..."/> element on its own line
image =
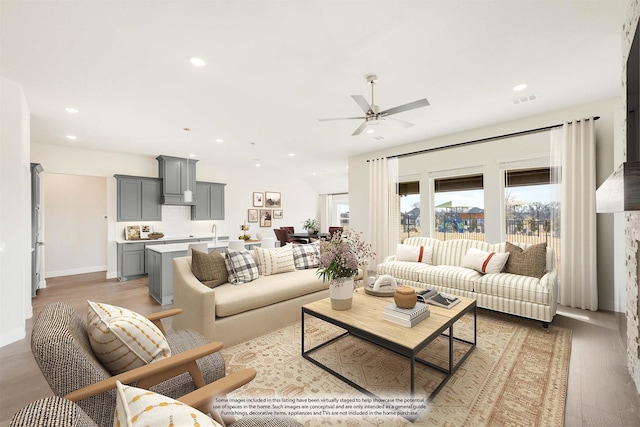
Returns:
<point x="167" y="239"/>
<point x="178" y="247"/>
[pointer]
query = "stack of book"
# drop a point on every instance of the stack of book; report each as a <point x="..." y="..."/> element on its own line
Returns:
<point x="406" y="316"/>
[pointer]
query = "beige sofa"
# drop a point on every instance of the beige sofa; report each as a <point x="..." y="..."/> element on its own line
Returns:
<point x="236" y="313"/>
<point x="531" y="297"/>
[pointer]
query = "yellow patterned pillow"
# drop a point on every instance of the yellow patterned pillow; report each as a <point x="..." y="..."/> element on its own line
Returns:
<point x="139" y="407"/>
<point x="122" y="339"/>
<point x="274" y="261"/>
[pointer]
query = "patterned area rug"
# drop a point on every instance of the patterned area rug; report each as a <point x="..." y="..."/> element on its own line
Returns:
<point x="516" y="376"/>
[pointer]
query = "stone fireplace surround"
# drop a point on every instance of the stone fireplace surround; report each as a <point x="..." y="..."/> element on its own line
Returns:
<point x="632" y="222"/>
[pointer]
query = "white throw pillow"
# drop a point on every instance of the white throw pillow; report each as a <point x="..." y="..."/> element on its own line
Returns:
<point x="276" y="260"/>
<point x="139" y="407"/>
<point x="485" y="262"/>
<point x="122" y="339"/>
<point x="422" y="254"/>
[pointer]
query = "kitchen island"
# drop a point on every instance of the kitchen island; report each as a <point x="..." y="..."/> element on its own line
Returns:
<point x="160" y="265"/>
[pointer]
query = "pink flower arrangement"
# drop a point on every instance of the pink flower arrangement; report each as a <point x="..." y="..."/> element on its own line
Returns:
<point x="341" y="255"/>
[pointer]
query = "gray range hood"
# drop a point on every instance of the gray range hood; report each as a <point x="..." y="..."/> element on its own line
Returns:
<point x="621" y="191"/>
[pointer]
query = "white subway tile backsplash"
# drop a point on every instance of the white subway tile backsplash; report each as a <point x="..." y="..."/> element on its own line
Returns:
<point x="176" y="221"/>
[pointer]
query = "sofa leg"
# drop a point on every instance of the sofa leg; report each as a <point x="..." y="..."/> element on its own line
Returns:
<point x="545" y="325"/>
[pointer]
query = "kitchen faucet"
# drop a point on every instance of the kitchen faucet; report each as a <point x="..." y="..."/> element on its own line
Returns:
<point x="214" y="230"/>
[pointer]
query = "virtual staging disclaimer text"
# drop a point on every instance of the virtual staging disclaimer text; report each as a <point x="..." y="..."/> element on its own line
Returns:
<point x="321" y="406"/>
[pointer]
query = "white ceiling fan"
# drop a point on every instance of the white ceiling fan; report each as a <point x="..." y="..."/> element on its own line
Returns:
<point x="372" y="112"/>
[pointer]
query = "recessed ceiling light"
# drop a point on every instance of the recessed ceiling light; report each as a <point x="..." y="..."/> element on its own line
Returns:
<point x="313" y="173"/>
<point x="197" y="62"/>
<point x="520" y="87"/>
<point x="292" y="154"/>
<point x="71" y="110"/>
<point x="219" y="140"/>
<point x="191" y="155"/>
<point x="72" y="137"/>
<point x="371" y="130"/>
<point x="257" y="165"/>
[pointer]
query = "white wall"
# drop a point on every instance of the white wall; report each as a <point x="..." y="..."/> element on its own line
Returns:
<point x="15" y="213"/>
<point x="75" y="229"/>
<point x="299" y="197"/>
<point x="486" y="157"/>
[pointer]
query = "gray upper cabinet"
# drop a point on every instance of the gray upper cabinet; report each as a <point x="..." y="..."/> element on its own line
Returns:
<point x="139" y="198"/>
<point x="177" y="175"/>
<point x="210" y="201"/>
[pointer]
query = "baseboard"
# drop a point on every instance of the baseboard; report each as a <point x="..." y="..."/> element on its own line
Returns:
<point x="12" y="336"/>
<point x="73" y="271"/>
<point x="112" y="274"/>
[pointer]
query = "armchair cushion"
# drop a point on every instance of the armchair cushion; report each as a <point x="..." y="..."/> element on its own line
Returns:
<point x="139" y="407"/>
<point x="209" y="268"/>
<point x="122" y="339"/>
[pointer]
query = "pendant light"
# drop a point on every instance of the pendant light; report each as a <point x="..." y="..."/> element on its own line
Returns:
<point x="187" y="194"/>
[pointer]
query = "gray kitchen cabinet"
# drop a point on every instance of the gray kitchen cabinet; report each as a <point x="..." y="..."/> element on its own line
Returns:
<point x="138" y="198"/>
<point x="177" y="174"/>
<point x="131" y="260"/>
<point x="210" y="204"/>
<point x="134" y="260"/>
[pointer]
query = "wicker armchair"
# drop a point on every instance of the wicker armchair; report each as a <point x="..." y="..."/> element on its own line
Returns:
<point x="56" y="411"/>
<point x="60" y="345"/>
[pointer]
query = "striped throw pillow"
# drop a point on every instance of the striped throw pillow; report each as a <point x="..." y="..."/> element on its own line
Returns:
<point x="274" y="261"/>
<point x="122" y="339"/>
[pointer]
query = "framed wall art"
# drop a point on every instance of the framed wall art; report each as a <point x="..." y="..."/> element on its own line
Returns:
<point x="258" y="199"/>
<point x="272" y="199"/>
<point x="277" y="214"/>
<point x="265" y="217"/>
<point x="252" y="215"/>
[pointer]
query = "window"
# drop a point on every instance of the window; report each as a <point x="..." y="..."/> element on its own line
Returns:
<point x="409" y="209"/>
<point x="530" y="212"/>
<point x="459" y="207"/>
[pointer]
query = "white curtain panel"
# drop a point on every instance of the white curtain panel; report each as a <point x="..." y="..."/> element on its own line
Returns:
<point x="325" y="211"/>
<point x="573" y="150"/>
<point x="383" y="221"/>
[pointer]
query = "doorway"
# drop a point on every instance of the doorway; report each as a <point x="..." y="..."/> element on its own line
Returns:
<point x="75" y="224"/>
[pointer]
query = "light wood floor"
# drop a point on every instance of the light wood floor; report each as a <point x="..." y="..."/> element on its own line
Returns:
<point x="600" y="391"/>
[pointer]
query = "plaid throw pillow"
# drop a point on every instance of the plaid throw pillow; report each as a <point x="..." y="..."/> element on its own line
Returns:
<point x="306" y="256"/>
<point x="241" y="267"/>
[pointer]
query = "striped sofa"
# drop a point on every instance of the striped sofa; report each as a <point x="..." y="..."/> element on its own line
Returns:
<point x="508" y="293"/>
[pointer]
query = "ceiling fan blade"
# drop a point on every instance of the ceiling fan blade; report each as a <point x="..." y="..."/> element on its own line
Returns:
<point x="406" y="107"/>
<point x="360" y="129"/>
<point x="342" y="118"/>
<point x="362" y="103"/>
<point x="402" y="123"/>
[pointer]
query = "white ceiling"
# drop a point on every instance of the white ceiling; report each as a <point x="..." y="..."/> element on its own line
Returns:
<point x="275" y="67"/>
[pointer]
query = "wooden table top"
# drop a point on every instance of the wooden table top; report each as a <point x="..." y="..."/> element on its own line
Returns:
<point x="366" y="311"/>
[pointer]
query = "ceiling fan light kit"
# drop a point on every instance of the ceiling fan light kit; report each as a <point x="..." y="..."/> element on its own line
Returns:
<point x="373" y="115"/>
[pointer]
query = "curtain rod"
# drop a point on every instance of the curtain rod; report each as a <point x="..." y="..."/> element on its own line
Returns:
<point x="476" y="141"/>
